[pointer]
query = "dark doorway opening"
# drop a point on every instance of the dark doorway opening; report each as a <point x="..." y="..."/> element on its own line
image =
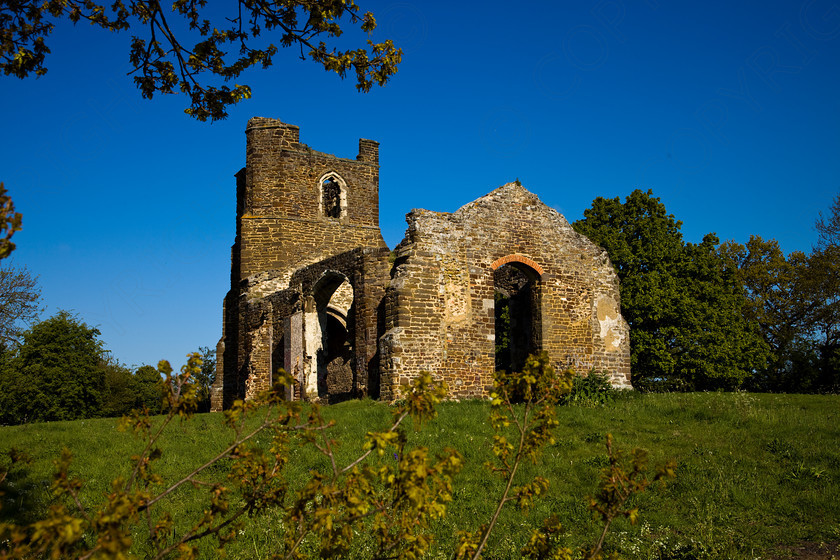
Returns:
<point x="518" y="318"/>
<point x="278" y="360"/>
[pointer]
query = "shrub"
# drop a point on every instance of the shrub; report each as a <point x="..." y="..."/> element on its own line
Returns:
<point x="593" y="389"/>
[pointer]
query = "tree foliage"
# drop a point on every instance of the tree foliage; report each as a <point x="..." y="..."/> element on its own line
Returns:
<point x="720" y="347"/>
<point x="828" y="226"/>
<point x="824" y="284"/>
<point x="205" y="377"/>
<point x="683" y="301"/>
<point x="20" y="299"/>
<point x="61" y="372"/>
<point x="10" y="221"/>
<point x="119" y="392"/>
<point x="55" y="374"/>
<point x="149" y="395"/>
<point x="774" y="284"/>
<point x="125" y="392"/>
<point x="795" y="301"/>
<point x="183" y="49"/>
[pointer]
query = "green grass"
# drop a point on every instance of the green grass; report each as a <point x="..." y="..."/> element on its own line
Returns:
<point x="755" y="472"/>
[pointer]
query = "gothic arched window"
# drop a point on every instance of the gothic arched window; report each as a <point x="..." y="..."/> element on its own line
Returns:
<point x="333" y="196"/>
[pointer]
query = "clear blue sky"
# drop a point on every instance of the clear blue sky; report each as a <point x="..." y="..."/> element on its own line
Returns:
<point x="729" y="111"/>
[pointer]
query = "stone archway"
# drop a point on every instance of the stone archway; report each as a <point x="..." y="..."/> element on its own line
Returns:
<point x="517" y="298"/>
<point x="329" y="339"/>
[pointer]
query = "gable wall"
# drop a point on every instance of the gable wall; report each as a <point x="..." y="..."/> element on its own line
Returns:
<point x="440" y="311"/>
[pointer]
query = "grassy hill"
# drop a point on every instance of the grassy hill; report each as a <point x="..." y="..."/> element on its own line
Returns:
<point x="758" y="475"/>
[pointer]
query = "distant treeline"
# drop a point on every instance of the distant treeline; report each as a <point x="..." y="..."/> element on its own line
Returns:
<point x="60" y="371"/>
<point x="726" y="316"/>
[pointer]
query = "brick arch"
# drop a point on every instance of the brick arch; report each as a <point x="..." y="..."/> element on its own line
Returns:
<point x="517" y="296"/>
<point x="515" y="257"/>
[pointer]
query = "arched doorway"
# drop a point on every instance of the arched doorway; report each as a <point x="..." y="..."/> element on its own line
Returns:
<point x="331" y="343"/>
<point x="518" y="325"/>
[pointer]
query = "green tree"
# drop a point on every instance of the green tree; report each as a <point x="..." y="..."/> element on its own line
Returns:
<point x="9" y="387"/>
<point x="777" y="301"/>
<point x="822" y="282"/>
<point x="795" y="300"/>
<point x="644" y="244"/>
<point x="19" y="303"/>
<point x="720" y="346"/>
<point x="683" y="302"/>
<point x="194" y="50"/>
<point x="823" y="279"/>
<point x="56" y="374"/>
<point x="119" y="394"/>
<point x="205" y="378"/>
<point x="149" y="390"/>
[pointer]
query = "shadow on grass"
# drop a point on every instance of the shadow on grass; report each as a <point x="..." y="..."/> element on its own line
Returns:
<point x="24" y="498"/>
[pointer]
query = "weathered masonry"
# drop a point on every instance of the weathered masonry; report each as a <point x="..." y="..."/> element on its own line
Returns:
<point x="316" y="291"/>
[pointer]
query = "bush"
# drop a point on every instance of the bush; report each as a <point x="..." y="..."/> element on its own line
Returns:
<point x="593" y="389"/>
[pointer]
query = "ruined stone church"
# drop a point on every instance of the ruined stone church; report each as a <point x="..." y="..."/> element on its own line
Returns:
<point x="316" y="291"/>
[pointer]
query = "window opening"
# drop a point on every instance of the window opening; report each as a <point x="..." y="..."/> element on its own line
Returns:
<point x="331" y="195"/>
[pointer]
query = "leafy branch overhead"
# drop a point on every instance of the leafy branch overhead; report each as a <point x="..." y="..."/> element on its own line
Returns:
<point x="10" y="222"/>
<point x="182" y="49"/>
